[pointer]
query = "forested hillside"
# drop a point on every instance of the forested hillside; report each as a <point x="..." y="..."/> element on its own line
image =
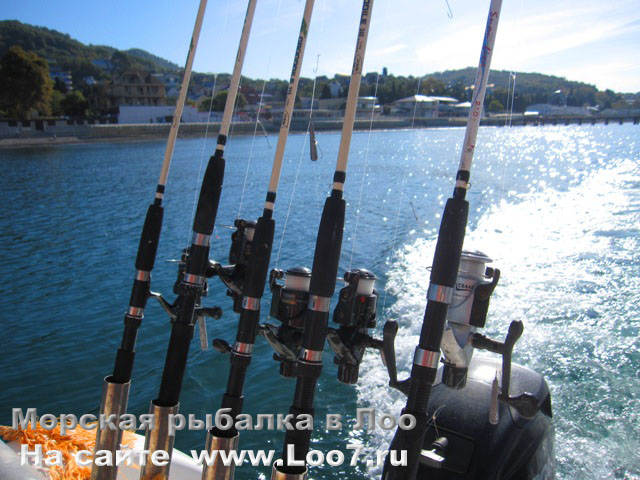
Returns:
<point x="64" y="51"/>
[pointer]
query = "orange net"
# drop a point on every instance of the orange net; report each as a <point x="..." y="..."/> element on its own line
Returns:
<point x="73" y="441"/>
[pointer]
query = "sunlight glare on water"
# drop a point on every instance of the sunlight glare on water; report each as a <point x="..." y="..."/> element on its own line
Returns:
<point x="557" y="208"/>
<point x="569" y="257"/>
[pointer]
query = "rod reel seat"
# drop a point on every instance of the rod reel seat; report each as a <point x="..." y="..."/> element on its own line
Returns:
<point x="356" y="315"/>
<point x="289" y="302"/>
<point x="232" y="275"/>
<point x="200" y="312"/>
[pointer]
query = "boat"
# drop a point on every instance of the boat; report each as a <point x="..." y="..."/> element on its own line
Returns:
<point x="493" y="427"/>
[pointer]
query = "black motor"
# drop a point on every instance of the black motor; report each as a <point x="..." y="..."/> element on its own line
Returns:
<point x="485" y="441"/>
<point x="488" y="419"/>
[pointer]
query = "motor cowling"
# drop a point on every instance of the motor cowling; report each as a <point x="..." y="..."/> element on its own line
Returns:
<point x="516" y="448"/>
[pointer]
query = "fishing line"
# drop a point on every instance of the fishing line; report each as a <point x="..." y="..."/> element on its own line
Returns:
<point x="316" y="173"/>
<point x="395" y="230"/>
<point x="449" y="11"/>
<point x="255" y="128"/>
<point x="199" y="177"/>
<point x="253" y="140"/>
<point x="204" y="141"/>
<point x="304" y="144"/>
<point x="364" y="171"/>
<point x="235" y="107"/>
<point x="511" y="92"/>
<point x="415" y="104"/>
<point x="397" y="222"/>
<point x="116" y="386"/>
<point x="302" y="151"/>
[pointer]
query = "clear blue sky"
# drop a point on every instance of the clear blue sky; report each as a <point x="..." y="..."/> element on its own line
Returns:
<point x="587" y="40"/>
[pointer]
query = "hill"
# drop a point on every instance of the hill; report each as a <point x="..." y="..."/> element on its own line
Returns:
<point x="70" y="54"/>
<point x="103" y="62"/>
<point x="530" y="87"/>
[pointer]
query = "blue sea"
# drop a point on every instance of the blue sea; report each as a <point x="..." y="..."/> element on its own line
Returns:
<point x="557" y="208"/>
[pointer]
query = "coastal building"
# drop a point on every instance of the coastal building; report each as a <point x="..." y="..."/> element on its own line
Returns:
<point x="423" y="106"/>
<point x="335" y="88"/>
<point x="137" y="88"/>
<point x="302" y="116"/>
<point x="462" y="109"/>
<point x="332" y="103"/>
<point x="547" y="110"/>
<point x="136" y="114"/>
<point x="173" y="91"/>
<point x="366" y="106"/>
<point x="103" y="64"/>
<point x="63" y="76"/>
<point x="307" y="103"/>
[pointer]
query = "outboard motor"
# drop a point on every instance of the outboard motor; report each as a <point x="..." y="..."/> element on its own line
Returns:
<point x="479" y="429"/>
<point x="489" y="419"/>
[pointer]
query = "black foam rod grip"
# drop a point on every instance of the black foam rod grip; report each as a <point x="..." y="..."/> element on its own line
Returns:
<point x="446" y="259"/>
<point x="209" y="199"/>
<point x="150" y="238"/>
<point x="258" y="262"/>
<point x="328" y="247"/>
<point x="411" y="442"/>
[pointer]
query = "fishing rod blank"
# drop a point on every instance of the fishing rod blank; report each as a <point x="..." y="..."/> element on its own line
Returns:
<point x="254" y="279"/>
<point x="115" y="393"/>
<point x="191" y="285"/>
<point x="444" y="272"/>
<point x="323" y="276"/>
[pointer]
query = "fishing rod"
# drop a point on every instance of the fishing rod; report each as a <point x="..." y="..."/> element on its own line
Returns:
<point x="191" y="285"/>
<point x="115" y="394"/>
<point x="247" y="288"/>
<point x="322" y="280"/>
<point x="444" y="273"/>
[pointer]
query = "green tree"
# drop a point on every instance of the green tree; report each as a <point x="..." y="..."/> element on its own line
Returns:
<point x="326" y="91"/>
<point x="495" y="106"/>
<point x="58" y="85"/>
<point x="433" y="86"/>
<point x="56" y="103"/>
<point x="219" y="101"/>
<point x="74" y="104"/>
<point x="25" y="81"/>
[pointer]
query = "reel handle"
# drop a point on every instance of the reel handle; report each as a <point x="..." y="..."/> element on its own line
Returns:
<point x="389" y="332"/>
<point x="525" y="404"/>
<point x="269" y="332"/>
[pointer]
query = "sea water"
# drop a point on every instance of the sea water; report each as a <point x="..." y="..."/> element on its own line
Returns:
<point x="557" y="208"/>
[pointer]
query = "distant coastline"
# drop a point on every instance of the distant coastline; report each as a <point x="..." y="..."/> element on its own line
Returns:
<point x="148" y="132"/>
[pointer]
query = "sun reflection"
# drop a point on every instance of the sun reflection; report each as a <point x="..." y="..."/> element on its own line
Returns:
<point x="570" y="260"/>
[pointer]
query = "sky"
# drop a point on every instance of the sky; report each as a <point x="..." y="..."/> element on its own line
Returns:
<point x="594" y="41"/>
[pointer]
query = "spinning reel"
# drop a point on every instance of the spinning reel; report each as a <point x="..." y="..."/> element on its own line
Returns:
<point x="232" y="275"/>
<point x="288" y="303"/>
<point x="466" y="314"/>
<point x="356" y="314"/>
<point x="200" y="312"/>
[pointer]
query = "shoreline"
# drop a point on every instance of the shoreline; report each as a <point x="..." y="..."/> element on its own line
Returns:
<point x="79" y="134"/>
<point x="84" y="134"/>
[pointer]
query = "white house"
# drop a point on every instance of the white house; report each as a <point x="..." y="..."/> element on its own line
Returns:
<point x="423" y="106"/>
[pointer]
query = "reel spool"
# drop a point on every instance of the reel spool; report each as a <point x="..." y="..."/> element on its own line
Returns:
<point x="288" y="304"/>
<point x="356" y="314"/>
<point x="467" y="312"/>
